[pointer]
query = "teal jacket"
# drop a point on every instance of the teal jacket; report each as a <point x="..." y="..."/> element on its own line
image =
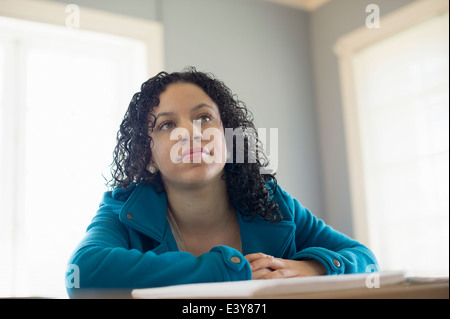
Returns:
<point x="129" y="244"/>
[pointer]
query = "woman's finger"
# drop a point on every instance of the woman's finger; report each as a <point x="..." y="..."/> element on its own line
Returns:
<point x="258" y="274"/>
<point x="255" y="256"/>
<point x="280" y="273"/>
<point x="266" y="262"/>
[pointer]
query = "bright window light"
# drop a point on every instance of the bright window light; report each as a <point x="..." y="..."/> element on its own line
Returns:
<point x="403" y="105"/>
<point x="67" y="93"/>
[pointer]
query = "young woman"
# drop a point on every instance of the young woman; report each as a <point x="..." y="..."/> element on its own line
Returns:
<point x="184" y="209"/>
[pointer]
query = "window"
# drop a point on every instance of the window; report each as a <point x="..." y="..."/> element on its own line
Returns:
<point x="63" y="93"/>
<point x="398" y="114"/>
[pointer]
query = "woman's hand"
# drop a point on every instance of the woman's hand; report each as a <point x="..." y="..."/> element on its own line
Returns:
<point x="267" y="267"/>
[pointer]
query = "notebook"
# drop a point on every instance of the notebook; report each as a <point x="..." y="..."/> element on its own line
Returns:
<point x="271" y="287"/>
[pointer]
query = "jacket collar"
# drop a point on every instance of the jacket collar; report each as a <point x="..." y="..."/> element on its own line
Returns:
<point x="146" y="209"/>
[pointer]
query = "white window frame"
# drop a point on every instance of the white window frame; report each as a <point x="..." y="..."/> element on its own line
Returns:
<point x="345" y="48"/>
<point x="49" y="12"/>
<point x="54" y="13"/>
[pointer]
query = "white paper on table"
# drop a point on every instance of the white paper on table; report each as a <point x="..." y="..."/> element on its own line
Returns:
<point x="271" y="287"/>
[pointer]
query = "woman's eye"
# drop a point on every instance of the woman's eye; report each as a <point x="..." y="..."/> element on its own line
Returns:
<point x="205" y="118"/>
<point x="166" y="126"/>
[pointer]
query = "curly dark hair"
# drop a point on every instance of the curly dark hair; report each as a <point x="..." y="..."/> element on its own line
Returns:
<point x="248" y="189"/>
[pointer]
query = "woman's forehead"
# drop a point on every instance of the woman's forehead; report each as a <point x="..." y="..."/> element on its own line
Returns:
<point x="183" y="97"/>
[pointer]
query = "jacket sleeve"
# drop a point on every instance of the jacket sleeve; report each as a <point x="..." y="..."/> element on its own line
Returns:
<point x="105" y="260"/>
<point x="316" y="240"/>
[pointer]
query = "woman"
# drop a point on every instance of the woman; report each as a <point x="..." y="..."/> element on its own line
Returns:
<point x="184" y="209"/>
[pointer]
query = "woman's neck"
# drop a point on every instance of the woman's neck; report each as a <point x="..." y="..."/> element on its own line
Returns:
<point x="202" y="209"/>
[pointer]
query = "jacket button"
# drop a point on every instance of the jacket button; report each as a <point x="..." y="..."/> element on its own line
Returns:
<point x="336" y="263"/>
<point x="235" y="260"/>
<point x="129" y="216"/>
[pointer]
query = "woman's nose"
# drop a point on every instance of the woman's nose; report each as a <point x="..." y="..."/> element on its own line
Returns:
<point x="192" y="130"/>
<point x="197" y="130"/>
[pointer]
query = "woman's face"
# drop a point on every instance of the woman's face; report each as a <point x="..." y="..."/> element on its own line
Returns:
<point x="188" y="145"/>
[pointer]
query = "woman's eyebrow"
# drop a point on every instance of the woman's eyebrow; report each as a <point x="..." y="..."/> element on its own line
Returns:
<point x="201" y="105"/>
<point x="164" y="114"/>
<point x="195" y="108"/>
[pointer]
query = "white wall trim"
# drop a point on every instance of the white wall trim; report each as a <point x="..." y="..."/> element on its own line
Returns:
<point x="43" y="11"/>
<point x="308" y="5"/>
<point x="390" y="24"/>
<point x="345" y="48"/>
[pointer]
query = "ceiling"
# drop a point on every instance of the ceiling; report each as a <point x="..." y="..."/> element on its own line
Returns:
<point x="308" y="5"/>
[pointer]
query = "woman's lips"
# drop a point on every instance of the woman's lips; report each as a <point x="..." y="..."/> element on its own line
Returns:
<point x="194" y="153"/>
